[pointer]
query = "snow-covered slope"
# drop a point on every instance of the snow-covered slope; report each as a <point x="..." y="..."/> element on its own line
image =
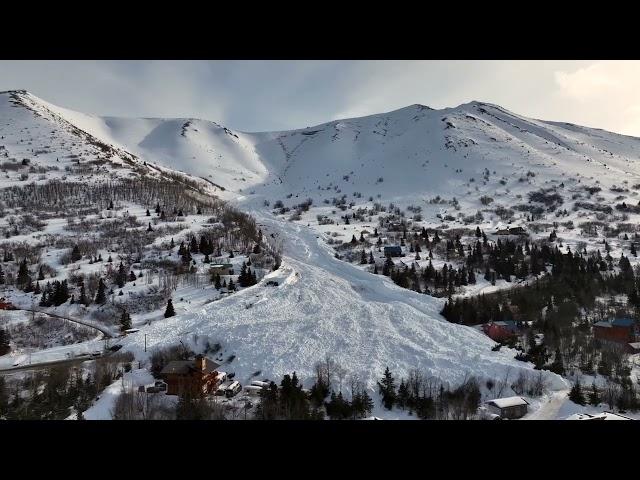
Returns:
<point x="324" y="306"/>
<point x="414" y="152"/>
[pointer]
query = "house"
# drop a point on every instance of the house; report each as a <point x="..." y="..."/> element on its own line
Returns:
<point x="512" y="231"/>
<point x="393" y="251"/>
<point x="619" y="330"/>
<point x="599" y="416"/>
<point x="222" y="269"/>
<point x="509" y="407"/>
<point x="199" y="375"/>
<point x="499" y="331"/>
<point x="6" y="305"/>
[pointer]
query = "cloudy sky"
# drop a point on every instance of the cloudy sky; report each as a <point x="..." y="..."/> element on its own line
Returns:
<point x="275" y="95"/>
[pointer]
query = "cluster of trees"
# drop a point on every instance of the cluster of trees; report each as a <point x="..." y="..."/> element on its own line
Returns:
<point x="53" y="294"/>
<point x="429" y="280"/>
<point x="246" y="278"/>
<point x="622" y="395"/>
<point x="429" y="397"/>
<point x="57" y="392"/>
<point x="287" y="401"/>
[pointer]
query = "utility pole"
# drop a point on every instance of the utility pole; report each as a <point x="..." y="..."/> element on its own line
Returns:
<point x="145" y="342"/>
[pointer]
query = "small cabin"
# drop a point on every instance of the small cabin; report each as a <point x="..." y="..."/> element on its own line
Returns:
<point x="393" y="251"/>
<point x="509" y="407"/>
<point x="512" y="231"/>
<point x="499" y="331"/>
<point x="222" y="269"/>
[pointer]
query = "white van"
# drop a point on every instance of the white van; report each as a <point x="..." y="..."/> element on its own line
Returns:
<point x="253" y="390"/>
<point x="233" y="389"/>
<point x="258" y="383"/>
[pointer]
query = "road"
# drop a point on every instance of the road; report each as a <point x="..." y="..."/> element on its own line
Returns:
<point x="41" y="365"/>
<point x="549" y="411"/>
<point x="105" y="331"/>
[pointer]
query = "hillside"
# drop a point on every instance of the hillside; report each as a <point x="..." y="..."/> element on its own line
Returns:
<point x="313" y="190"/>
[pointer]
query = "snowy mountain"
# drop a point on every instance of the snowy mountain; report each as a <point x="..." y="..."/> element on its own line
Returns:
<point x="412" y="156"/>
<point x="416" y="151"/>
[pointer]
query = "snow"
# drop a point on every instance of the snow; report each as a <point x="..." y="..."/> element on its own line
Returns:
<point x="103" y="408"/>
<point x="508" y="402"/>
<point x="324" y="306"/>
<point x="328" y="307"/>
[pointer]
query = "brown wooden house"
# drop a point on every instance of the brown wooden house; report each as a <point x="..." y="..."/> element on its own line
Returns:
<point x="198" y="376"/>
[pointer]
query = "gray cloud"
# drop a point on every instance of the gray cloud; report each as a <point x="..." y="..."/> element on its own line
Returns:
<point x="272" y="95"/>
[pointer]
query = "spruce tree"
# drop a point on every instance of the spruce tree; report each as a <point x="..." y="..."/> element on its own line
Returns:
<point x="125" y="321"/>
<point x="387" y="389"/>
<point x="169" y="312"/>
<point x="75" y="254"/>
<point x="594" y="396"/>
<point x="5" y="339"/>
<point x="23" y="277"/>
<point x="576" y="395"/>
<point x="101" y="296"/>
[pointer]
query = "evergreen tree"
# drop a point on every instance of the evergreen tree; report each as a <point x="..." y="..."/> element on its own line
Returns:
<point x="41" y="272"/>
<point x="2" y="280"/>
<point x="149" y="229"/>
<point x="83" y="296"/>
<point x="576" y="395"/>
<point x="5" y="339"/>
<point x="169" y="312"/>
<point x="387" y="389"/>
<point x="23" y="278"/>
<point x="121" y="276"/>
<point x="594" y="396"/>
<point x="363" y="258"/>
<point x="125" y="321"/>
<point x="132" y="276"/>
<point x="194" y="245"/>
<point x="101" y="297"/>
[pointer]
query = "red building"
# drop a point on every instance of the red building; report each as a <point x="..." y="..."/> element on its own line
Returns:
<point x="5" y="305"/>
<point x="500" y="331"/>
<point x="620" y="330"/>
<point x="199" y="376"/>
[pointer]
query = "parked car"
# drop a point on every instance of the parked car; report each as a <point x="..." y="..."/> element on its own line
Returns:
<point x="272" y="283"/>
<point x="233" y="389"/>
<point x="115" y="348"/>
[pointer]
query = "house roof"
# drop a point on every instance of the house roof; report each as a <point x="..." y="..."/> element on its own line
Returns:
<point x="623" y="322"/>
<point x="618" y="322"/>
<point x="182" y="367"/>
<point x="508" y="402"/>
<point x="602" y="324"/>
